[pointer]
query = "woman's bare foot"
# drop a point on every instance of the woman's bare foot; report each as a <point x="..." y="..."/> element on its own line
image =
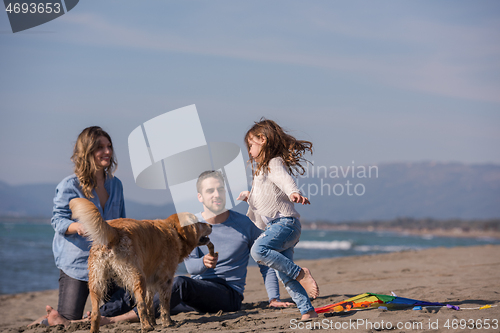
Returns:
<point x="309" y="315"/>
<point x="307" y="281"/>
<point x="104" y="320"/>
<point x="38" y="321"/>
<point x="55" y="318"/>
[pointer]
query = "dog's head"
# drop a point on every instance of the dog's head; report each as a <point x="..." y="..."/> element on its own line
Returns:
<point x="193" y="231"/>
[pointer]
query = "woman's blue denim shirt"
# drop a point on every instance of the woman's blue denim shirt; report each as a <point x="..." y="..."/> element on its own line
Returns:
<point x="71" y="252"/>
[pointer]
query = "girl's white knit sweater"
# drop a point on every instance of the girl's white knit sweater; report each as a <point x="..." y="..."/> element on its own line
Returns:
<point x="270" y="194"/>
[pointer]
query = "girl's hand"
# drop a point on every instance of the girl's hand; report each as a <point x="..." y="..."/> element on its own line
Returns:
<point x="243" y="196"/>
<point x="297" y="198"/>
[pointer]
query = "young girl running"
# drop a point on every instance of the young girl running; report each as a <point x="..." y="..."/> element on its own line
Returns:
<point x="275" y="157"/>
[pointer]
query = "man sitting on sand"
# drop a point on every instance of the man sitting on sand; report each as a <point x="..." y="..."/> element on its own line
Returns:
<point x="217" y="282"/>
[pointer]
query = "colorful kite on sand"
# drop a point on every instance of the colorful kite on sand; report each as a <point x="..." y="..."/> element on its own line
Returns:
<point x="367" y="300"/>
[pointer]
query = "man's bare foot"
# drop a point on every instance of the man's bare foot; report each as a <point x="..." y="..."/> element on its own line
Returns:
<point x="55" y="318"/>
<point x="307" y="281"/>
<point x="309" y="315"/>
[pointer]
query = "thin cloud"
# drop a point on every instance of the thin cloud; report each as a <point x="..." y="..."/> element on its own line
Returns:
<point x="420" y="55"/>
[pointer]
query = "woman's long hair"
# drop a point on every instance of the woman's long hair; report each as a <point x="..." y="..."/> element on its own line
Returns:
<point x="83" y="158"/>
<point x="278" y="144"/>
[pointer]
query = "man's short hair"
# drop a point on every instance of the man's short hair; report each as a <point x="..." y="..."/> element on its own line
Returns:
<point x="209" y="174"/>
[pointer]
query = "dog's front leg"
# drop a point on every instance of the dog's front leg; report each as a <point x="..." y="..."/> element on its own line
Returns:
<point x="165" y="295"/>
<point x="140" y="295"/>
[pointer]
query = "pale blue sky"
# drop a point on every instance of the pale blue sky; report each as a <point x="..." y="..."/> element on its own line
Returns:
<point x="365" y="81"/>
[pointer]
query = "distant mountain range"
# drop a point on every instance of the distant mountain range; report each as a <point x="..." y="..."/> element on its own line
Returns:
<point x="351" y="193"/>
<point x="36" y="201"/>
<point x="416" y="190"/>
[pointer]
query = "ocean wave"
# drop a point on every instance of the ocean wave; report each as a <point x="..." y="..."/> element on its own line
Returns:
<point x="317" y="245"/>
<point x="384" y="248"/>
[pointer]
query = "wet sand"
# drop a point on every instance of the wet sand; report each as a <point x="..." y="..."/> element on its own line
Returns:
<point x="468" y="277"/>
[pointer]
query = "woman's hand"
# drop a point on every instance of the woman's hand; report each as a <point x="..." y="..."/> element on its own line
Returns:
<point x="76" y="228"/>
<point x="297" y="198"/>
<point x="243" y="196"/>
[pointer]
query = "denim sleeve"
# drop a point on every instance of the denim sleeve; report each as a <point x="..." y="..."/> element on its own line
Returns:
<point x="271" y="282"/>
<point x="61" y="214"/>
<point x="194" y="263"/>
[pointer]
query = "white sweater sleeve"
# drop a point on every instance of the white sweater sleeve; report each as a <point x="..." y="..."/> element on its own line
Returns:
<point x="279" y="175"/>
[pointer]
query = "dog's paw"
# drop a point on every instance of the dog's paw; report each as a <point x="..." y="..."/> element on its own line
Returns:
<point x="169" y="323"/>
<point x="147" y="327"/>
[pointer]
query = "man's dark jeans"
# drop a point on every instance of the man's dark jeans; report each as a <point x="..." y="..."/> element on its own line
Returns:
<point x="211" y="295"/>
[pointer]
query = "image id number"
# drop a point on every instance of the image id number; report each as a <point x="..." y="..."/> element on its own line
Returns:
<point x="33" y="8"/>
<point x="472" y="324"/>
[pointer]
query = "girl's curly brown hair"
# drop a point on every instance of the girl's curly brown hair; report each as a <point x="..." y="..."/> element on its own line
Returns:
<point x="278" y="144"/>
<point x="83" y="158"/>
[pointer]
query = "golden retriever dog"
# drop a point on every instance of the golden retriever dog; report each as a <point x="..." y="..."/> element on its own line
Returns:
<point x="139" y="255"/>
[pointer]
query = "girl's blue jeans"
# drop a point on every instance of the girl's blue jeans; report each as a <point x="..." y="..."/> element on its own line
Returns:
<point x="274" y="248"/>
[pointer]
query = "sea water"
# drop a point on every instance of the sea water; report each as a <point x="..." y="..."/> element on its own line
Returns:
<point x="27" y="262"/>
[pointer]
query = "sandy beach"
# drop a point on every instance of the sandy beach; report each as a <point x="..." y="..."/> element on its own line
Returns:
<point x="467" y="277"/>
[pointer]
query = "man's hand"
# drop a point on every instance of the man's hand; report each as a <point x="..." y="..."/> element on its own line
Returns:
<point x="274" y="303"/>
<point x="210" y="261"/>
